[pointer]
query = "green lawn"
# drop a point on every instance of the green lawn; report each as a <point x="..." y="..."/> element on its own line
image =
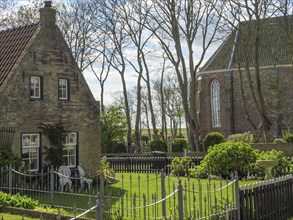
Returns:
<point x="146" y="189"/>
<point x="144" y="132"/>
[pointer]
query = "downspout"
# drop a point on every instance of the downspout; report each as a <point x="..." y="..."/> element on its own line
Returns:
<point x="230" y="66"/>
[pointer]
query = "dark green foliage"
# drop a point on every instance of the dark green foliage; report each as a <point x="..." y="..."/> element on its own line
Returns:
<point x="55" y="134"/>
<point x="226" y="158"/>
<point x="289" y="138"/>
<point x="211" y="139"/>
<point x="181" y="166"/>
<point x="118" y="148"/>
<point x="114" y="128"/>
<point x="17" y="201"/>
<point x="178" y="144"/>
<point x="158" y="145"/>
<point x="7" y="157"/>
<point x="144" y="138"/>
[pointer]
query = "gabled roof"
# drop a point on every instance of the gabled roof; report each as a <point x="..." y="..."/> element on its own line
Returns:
<point x="275" y="48"/>
<point x="13" y="46"/>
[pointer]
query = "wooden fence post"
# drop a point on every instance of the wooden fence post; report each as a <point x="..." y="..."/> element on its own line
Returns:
<point x="180" y="201"/>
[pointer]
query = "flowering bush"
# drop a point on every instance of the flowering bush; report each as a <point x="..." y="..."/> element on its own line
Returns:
<point x="109" y="173"/>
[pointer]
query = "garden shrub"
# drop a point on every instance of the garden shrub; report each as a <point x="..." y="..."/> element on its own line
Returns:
<point x="211" y="139"/>
<point x="178" y="144"/>
<point x="284" y="166"/>
<point x="144" y="138"/>
<point x="118" y="148"/>
<point x="226" y="158"/>
<point x="17" y="200"/>
<point x="246" y="137"/>
<point x="200" y="171"/>
<point x="7" y="157"/>
<point x="289" y="138"/>
<point x="158" y="145"/>
<point x="181" y="166"/>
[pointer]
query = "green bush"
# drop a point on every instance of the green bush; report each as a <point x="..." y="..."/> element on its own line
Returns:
<point x="7" y="157"/>
<point x="284" y="166"/>
<point x="289" y="138"/>
<point x="158" y="145"/>
<point x="118" y="148"/>
<point x="246" y="137"/>
<point x="178" y="144"/>
<point x="211" y="139"/>
<point x="200" y="171"/>
<point x="180" y="166"/>
<point x="226" y="158"/>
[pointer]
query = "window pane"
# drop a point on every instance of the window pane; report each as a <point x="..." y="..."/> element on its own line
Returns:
<point x="215" y="103"/>
<point x="30" y="151"/>
<point x="35" y="87"/>
<point x="69" y="151"/>
<point x="63" y="89"/>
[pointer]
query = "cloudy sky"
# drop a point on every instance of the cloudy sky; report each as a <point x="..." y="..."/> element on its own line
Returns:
<point x="113" y="83"/>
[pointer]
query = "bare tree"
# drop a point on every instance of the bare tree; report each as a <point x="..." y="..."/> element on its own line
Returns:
<point x="112" y="26"/>
<point x="185" y="28"/>
<point x="77" y="22"/>
<point x="5" y="7"/>
<point x="101" y="69"/>
<point x="251" y="19"/>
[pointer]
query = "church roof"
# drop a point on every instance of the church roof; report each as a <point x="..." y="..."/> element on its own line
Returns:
<point x="13" y="46"/>
<point x="274" y="48"/>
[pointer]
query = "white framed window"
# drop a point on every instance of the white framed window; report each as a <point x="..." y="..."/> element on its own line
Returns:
<point x="30" y="146"/>
<point x="215" y="103"/>
<point x="63" y="89"/>
<point x="69" y="150"/>
<point x="35" y="87"/>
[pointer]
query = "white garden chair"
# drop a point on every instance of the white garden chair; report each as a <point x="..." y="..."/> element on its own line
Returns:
<point x="64" y="174"/>
<point x="83" y="179"/>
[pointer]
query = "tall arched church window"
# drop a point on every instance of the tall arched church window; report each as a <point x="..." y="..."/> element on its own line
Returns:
<point x="215" y="103"/>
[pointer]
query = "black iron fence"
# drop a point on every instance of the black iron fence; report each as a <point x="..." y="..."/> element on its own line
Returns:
<point x="272" y="199"/>
<point x="144" y="164"/>
<point x="166" y="196"/>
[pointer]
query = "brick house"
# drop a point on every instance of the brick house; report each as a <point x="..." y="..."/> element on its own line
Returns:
<point x="41" y="83"/>
<point x="220" y="97"/>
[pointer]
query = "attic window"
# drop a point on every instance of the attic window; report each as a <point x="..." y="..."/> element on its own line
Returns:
<point x="63" y="89"/>
<point x="35" y="87"/>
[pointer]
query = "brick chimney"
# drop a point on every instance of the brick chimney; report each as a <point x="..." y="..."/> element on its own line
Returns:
<point x="48" y="14"/>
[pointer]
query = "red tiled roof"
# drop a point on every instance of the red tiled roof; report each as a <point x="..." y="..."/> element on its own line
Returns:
<point x="13" y="44"/>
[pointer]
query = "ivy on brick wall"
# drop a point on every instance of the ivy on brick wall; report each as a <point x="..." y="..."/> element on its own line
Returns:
<point x="55" y="134"/>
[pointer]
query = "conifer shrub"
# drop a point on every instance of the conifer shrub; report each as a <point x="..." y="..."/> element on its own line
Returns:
<point x="158" y="145"/>
<point x="178" y="144"/>
<point x="211" y="139"/>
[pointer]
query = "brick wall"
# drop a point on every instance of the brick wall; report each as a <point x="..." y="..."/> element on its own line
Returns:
<point x="50" y="58"/>
<point x="278" y="92"/>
